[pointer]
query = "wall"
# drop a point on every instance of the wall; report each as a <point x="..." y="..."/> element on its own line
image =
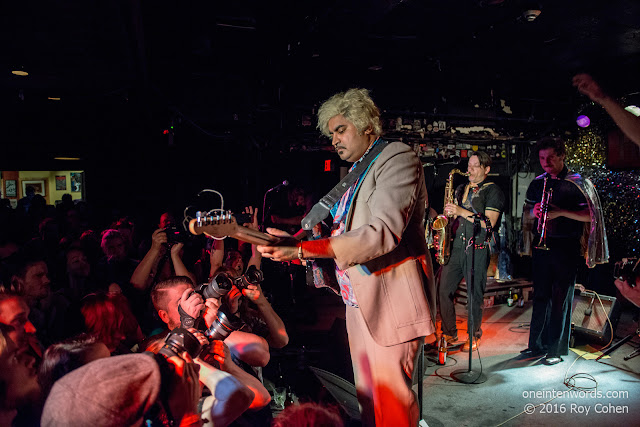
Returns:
<point x="51" y="194"/>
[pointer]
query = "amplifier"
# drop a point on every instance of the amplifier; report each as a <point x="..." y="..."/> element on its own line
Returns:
<point x="589" y="318"/>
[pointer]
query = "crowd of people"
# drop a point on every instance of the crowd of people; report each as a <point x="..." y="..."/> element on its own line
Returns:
<point x="89" y="321"/>
<point x="100" y="327"/>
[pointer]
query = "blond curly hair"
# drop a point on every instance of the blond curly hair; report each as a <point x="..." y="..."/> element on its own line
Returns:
<point x="356" y="106"/>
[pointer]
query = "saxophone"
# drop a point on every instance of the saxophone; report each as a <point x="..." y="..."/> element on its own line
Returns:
<point x="441" y="225"/>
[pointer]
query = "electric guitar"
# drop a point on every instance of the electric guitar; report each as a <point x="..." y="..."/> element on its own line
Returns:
<point x="225" y="225"/>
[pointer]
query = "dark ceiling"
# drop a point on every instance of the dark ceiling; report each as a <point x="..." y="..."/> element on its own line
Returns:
<point x="250" y="69"/>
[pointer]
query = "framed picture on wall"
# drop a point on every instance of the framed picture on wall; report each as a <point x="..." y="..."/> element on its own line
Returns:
<point x="38" y="186"/>
<point x="76" y="182"/>
<point x="61" y="182"/>
<point x="10" y="188"/>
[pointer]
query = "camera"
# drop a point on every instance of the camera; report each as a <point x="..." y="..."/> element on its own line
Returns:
<point x="223" y="325"/>
<point x="175" y="235"/>
<point x="222" y="283"/>
<point x="627" y="270"/>
<point x="178" y="341"/>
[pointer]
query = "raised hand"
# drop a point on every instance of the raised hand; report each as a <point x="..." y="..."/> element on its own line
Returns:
<point x="191" y="302"/>
<point x="254" y="293"/>
<point x="587" y="86"/>
<point x="158" y="238"/>
<point x="176" y="248"/>
<point x="211" y="310"/>
<point x="184" y="391"/>
<point x="254" y="218"/>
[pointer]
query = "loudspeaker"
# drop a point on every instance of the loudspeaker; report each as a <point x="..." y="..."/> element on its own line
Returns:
<point x="589" y="319"/>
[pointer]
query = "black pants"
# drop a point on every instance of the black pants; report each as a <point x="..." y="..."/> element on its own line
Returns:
<point x="554" y="277"/>
<point x="459" y="266"/>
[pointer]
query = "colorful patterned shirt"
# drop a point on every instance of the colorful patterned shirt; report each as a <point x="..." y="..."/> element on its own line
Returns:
<point x="339" y="212"/>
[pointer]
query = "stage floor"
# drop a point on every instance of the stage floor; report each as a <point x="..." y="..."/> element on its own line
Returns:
<point x="318" y="339"/>
<point x="512" y="383"/>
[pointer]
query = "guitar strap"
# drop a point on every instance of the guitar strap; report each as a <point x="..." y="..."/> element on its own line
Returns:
<point x="321" y="210"/>
<point x="320" y="272"/>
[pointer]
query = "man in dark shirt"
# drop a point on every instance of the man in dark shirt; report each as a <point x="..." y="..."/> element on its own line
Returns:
<point x="554" y="268"/>
<point x="478" y="196"/>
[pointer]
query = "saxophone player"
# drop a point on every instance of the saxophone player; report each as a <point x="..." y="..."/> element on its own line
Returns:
<point x="574" y="211"/>
<point x="477" y="196"/>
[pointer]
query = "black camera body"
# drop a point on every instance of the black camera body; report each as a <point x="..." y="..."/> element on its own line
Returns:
<point x="178" y="341"/>
<point x="627" y="270"/>
<point x="222" y="283"/>
<point x="176" y="235"/>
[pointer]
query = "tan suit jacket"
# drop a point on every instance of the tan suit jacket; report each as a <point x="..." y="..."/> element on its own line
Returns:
<point x="384" y="249"/>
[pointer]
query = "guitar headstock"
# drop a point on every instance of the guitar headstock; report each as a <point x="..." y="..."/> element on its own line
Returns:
<point x="218" y="226"/>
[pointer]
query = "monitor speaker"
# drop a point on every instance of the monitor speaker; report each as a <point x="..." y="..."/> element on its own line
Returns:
<point x="589" y="316"/>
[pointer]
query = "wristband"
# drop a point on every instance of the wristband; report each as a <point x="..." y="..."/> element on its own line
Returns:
<point x="301" y="256"/>
<point x="186" y="321"/>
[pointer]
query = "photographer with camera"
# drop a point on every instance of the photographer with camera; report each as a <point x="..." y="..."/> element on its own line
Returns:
<point x="177" y="293"/>
<point x="135" y="389"/>
<point x="154" y="266"/>
<point x="630" y="291"/>
<point x="256" y="311"/>
<point x="234" y="259"/>
<point x="178" y="304"/>
<point x="229" y="397"/>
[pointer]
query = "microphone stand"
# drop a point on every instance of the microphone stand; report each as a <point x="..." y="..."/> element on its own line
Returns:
<point x="264" y="204"/>
<point x="469" y="376"/>
<point x="619" y="344"/>
<point x="264" y="200"/>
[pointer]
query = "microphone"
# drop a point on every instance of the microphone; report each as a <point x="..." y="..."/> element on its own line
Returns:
<point x="264" y="199"/>
<point x="282" y="184"/>
<point x="589" y="310"/>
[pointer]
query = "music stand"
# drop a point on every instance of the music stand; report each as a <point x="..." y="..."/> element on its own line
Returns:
<point x="469" y="376"/>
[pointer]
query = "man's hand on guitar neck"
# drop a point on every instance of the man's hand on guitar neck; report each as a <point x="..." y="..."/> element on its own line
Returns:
<point x="290" y="248"/>
<point x="280" y="253"/>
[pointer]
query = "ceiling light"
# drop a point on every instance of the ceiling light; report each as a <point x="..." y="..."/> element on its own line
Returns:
<point x="633" y="110"/>
<point x="583" y="121"/>
<point x="531" y="14"/>
<point x="19" y="73"/>
<point x="66" y="158"/>
<point x="52" y="98"/>
<point x="375" y="67"/>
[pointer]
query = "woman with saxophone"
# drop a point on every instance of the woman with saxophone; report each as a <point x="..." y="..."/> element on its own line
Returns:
<point x="479" y="196"/>
<point x="566" y="211"/>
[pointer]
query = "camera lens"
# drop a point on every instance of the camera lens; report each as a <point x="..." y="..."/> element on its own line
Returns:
<point x="219" y="286"/>
<point x="253" y="276"/>
<point x="178" y="341"/>
<point x="223" y="325"/>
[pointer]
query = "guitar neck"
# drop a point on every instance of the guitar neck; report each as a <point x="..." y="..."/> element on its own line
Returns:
<point x="255" y="237"/>
<point x="227" y="227"/>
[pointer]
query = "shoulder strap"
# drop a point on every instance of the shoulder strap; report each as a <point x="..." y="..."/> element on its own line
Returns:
<point x="321" y="209"/>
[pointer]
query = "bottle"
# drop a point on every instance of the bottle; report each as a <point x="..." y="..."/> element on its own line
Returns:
<point x="521" y="301"/>
<point x="290" y="398"/>
<point x="510" y="299"/>
<point x="442" y="351"/>
<point x="572" y="336"/>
